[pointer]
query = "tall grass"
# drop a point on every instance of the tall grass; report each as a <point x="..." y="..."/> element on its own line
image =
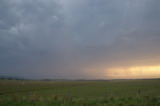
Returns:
<point x="80" y="93"/>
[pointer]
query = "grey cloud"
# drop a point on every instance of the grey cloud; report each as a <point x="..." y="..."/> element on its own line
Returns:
<point x="60" y="39"/>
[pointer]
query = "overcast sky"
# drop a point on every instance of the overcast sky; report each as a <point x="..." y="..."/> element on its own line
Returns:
<point x="77" y="38"/>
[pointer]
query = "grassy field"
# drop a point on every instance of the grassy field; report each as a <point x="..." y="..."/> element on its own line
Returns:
<point x="80" y="93"/>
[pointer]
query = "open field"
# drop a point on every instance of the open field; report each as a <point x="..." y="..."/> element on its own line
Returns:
<point x="80" y="93"/>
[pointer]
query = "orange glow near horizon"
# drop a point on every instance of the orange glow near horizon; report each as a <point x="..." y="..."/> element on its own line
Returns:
<point x="134" y="72"/>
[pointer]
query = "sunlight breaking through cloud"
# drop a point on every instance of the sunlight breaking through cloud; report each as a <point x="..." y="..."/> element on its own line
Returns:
<point x="134" y="72"/>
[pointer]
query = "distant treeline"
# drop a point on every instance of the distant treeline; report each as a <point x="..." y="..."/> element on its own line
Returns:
<point x="19" y="78"/>
<point x="10" y="78"/>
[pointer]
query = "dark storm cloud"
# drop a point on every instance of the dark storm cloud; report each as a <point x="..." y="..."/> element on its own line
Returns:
<point x="64" y="38"/>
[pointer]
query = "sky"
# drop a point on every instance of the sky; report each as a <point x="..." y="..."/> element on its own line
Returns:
<point x="80" y="39"/>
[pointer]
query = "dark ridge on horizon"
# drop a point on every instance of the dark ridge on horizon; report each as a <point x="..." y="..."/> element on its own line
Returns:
<point x="21" y="78"/>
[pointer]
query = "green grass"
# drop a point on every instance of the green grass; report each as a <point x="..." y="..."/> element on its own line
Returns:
<point x="80" y="93"/>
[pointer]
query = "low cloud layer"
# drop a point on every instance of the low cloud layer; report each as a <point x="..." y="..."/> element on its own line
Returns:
<point x="77" y="38"/>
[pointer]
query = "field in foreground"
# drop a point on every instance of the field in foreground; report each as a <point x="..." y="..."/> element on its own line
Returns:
<point x="80" y="93"/>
